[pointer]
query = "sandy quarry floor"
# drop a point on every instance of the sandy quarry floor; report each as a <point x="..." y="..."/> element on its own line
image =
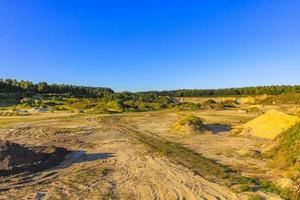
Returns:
<point x="231" y="150"/>
<point x="109" y="164"/>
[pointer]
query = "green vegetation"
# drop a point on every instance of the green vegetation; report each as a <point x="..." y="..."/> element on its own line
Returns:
<point x="25" y="95"/>
<point x="26" y="88"/>
<point x="287" y="152"/>
<point x="103" y="105"/>
<point x="267" y="186"/>
<point x="179" y="154"/>
<point x="13" y="92"/>
<point x="256" y="197"/>
<point x="244" y="188"/>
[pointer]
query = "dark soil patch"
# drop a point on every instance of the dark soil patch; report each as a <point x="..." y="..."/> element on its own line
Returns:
<point x="16" y="158"/>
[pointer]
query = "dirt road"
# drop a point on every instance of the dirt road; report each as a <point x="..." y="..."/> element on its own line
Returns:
<point x="140" y="175"/>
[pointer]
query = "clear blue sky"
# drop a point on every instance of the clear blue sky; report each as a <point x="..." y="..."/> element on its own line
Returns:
<point x="151" y="44"/>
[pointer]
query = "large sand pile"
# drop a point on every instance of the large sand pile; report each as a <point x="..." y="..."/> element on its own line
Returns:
<point x="189" y="125"/>
<point x="269" y="125"/>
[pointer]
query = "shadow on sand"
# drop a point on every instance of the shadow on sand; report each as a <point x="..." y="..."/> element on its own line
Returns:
<point x="58" y="163"/>
<point x="82" y="156"/>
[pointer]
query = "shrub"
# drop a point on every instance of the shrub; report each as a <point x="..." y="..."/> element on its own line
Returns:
<point x="245" y="188"/>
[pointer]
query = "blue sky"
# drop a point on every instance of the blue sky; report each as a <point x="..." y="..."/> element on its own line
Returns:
<point x="151" y="44"/>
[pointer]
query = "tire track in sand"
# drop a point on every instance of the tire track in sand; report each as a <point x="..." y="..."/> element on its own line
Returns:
<point x="139" y="175"/>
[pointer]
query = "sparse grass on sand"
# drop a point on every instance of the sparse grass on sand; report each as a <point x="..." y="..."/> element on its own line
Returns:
<point x="287" y="151"/>
<point x="189" y="124"/>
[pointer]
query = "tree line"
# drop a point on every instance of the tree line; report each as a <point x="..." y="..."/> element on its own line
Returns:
<point x="28" y="87"/>
<point x="270" y="90"/>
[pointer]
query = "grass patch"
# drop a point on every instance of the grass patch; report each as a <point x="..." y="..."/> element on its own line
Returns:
<point x="287" y="153"/>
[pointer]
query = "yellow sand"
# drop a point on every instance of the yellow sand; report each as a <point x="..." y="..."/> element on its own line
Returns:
<point x="270" y="124"/>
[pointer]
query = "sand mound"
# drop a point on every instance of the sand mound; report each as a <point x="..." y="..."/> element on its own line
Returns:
<point x="189" y="125"/>
<point x="15" y="158"/>
<point x="211" y="104"/>
<point x="269" y="125"/>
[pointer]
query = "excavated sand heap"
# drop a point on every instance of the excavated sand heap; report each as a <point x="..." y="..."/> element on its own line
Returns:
<point x="269" y="125"/>
<point x="15" y="158"/>
<point x="189" y="125"/>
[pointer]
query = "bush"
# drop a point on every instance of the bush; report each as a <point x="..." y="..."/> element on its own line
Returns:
<point x="245" y="188"/>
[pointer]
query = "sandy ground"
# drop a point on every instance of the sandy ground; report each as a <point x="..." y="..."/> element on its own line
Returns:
<point x="108" y="164"/>
<point x="235" y="151"/>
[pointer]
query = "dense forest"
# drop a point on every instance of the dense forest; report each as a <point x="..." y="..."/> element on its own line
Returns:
<point x="271" y="90"/>
<point x="14" y="86"/>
